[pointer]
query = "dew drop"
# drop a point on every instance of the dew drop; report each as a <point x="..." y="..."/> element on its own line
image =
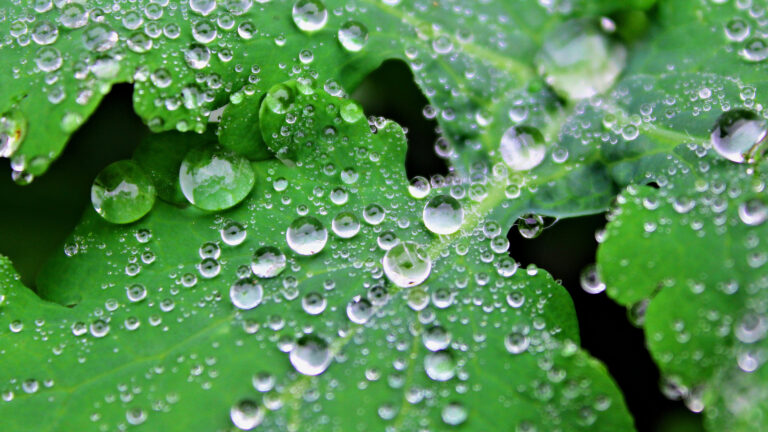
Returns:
<point x="353" y="36"/>
<point x="516" y="342"/>
<point x="374" y="214"/>
<point x="246" y="293"/>
<point x="419" y="187"/>
<point x="454" y="414"/>
<point x="309" y="15"/>
<point x="314" y="303"/>
<point x="579" y="61"/>
<point x="122" y="193"/>
<point x="753" y="212"/>
<point x="246" y="415"/>
<point x="310" y="355"/>
<point x="443" y="214"/>
<point x="522" y="148"/>
<point x="345" y="225"/>
<point x="590" y="280"/>
<point x="738" y="135"/>
<point x="306" y="236"/>
<point x="215" y="179"/>
<point x="233" y="233"/>
<point x="406" y="264"/>
<point x="268" y="262"/>
<point x="359" y="310"/>
<point x="440" y="365"/>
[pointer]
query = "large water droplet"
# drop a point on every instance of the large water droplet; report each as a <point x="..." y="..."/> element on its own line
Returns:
<point x="406" y="264"/>
<point x="516" y="342"/>
<point x="443" y="214"/>
<point x="13" y="129"/>
<point x="214" y="179"/>
<point x="267" y="262"/>
<point x="306" y="236"/>
<point x="122" y="193"/>
<point x="738" y="135"/>
<point x="309" y="15"/>
<point x="345" y="225"/>
<point x="753" y="212"/>
<point x="246" y="415"/>
<point x="440" y="365"/>
<point x="359" y="310"/>
<point x="579" y="61"/>
<point x="454" y="414"/>
<point x="353" y="36"/>
<point x="310" y="355"/>
<point x="522" y="148"/>
<point x="246" y="293"/>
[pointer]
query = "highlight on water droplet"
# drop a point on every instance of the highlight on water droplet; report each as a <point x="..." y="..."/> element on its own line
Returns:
<point x="353" y="36"/>
<point x="246" y="415"/>
<point x="122" y="193"/>
<point x="246" y="293"/>
<point x="268" y="262"/>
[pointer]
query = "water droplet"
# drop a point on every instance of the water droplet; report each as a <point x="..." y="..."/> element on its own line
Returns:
<point x="136" y="292"/>
<point x="310" y="355"/>
<point x="440" y="365"/>
<point x="443" y="214"/>
<point x="359" y="310"/>
<point x="530" y="225"/>
<point x="268" y="262"/>
<point x="263" y="381"/>
<point x="306" y="236"/>
<point x="99" y="328"/>
<point x="736" y="30"/>
<point x="99" y="37"/>
<point x="406" y="264"/>
<point x="279" y="99"/>
<point x="48" y="59"/>
<point x="753" y="212"/>
<point x="436" y="338"/>
<point x="309" y="15"/>
<point x="345" y="225"/>
<point x="454" y="414"/>
<point x="419" y="187"/>
<point x="246" y="293"/>
<point x="314" y="303"/>
<point x="13" y="129"/>
<point x="579" y="61"/>
<point x="215" y="179"/>
<point x="755" y="49"/>
<point x="122" y="193"/>
<point x="353" y="36"/>
<point x="135" y="416"/>
<point x="590" y="280"/>
<point x="233" y="233"/>
<point x="516" y="342"/>
<point x="246" y="414"/>
<point x="374" y="214"/>
<point x="522" y="148"/>
<point x="738" y="135"/>
<point x="203" y="7"/>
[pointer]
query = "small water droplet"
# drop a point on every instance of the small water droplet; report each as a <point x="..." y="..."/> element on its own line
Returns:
<point x="268" y="262"/>
<point x="246" y="415"/>
<point x="353" y="36"/>
<point x="406" y="264"/>
<point x="310" y="355"/>
<point x="443" y="214"/>
<point x="246" y="293"/>
<point x="309" y="15"/>
<point x="522" y="148"/>
<point x="306" y="236"/>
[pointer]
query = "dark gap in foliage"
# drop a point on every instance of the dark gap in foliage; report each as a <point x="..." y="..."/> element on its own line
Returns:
<point x="564" y="249"/>
<point x="36" y="219"/>
<point x="391" y="92"/>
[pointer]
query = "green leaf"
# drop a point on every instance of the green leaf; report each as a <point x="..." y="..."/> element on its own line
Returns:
<point x="504" y="339"/>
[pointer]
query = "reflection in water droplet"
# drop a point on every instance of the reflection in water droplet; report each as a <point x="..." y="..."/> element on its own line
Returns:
<point x="359" y="310"/>
<point x="306" y="236"/>
<point x="246" y="293"/>
<point x="443" y="214"/>
<point x="738" y="135"/>
<point x="590" y="280"/>
<point x="268" y="262"/>
<point x="122" y="193"/>
<point x="215" y="179"/>
<point x="516" y="342"/>
<point x="353" y="36"/>
<point x="345" y="225"/>
<point x="406" y="264"/>
<point x="309" y="15"/>
<point x="246" y="415"/>
<point x="440" y="365"/>
<point x="454" y="414"/>
<point x="233" y="233"/>
<point x="522" y="148"/>
<point x="310" y="355"/>
<point x="753" y="212"/>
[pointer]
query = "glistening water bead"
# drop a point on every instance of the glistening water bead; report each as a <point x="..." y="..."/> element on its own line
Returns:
<point x="738" y="135"/>
<point x="122" y="193"/>
<point x="522" y="148"/>
<point x="443" y="214"/>
<point x="309" y="15"/>
<point x="267" y="262"/>
<point x="407" y="264"/>
<point x="310" y="356"/>
<point x="215" y="179"/>
<point x="246" y="415"/>
<point x="306" y="236"/>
